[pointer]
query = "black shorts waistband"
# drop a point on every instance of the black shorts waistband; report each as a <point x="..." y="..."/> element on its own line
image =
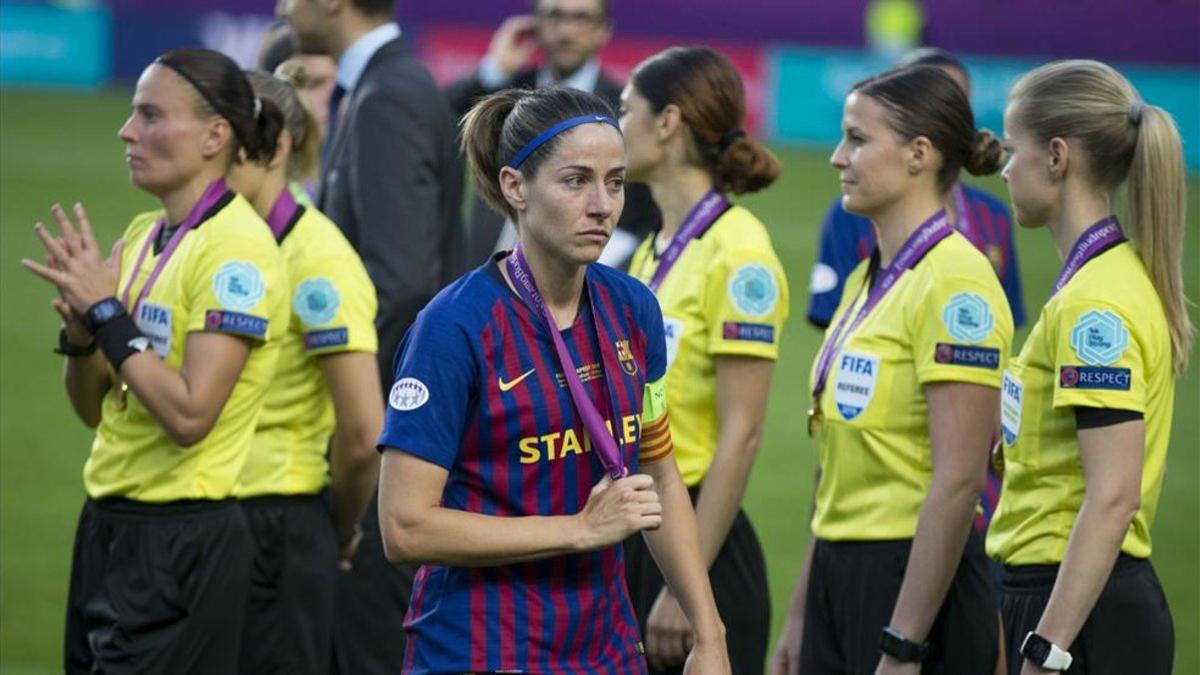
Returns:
<point x="1033" y="577"/>
<point x="267" y="501"/>
<point x="132" y="507"/>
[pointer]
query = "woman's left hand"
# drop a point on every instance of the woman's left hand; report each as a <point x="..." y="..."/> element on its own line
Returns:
<point x="79" y="270"/>
<point x="668" y="632"/>
<point x="708" y="658"/>
<point x="889" y="666"/>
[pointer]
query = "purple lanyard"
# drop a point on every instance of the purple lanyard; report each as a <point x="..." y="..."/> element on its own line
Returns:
<point x="1095" y="240"/>
<point x="282" y="212"/>
<point x="212" y="194"/>
<point x="963" y="222"/>
<point x="698" y="220"/>
<point x="593" y="422"/>
<point x="915" y="247"/>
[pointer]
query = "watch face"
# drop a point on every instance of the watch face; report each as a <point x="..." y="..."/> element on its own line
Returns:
<point x="1036" y="649"/>
<point x="103" y="311"/>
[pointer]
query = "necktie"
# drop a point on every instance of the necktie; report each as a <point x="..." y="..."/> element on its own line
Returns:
<point x="335" y="107"/>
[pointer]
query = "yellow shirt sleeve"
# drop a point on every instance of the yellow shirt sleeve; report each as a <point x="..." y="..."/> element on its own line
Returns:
<point x="962" y="331"/>
<point x="1099" y="359"/>
<point x="233" y="286"/>
<point x="655" y="443"/>
<point x="334" y="301"/>
<point x="746" y="303"/>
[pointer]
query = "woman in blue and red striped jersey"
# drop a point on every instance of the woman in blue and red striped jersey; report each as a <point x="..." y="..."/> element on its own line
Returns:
<point x="526" y="433"/>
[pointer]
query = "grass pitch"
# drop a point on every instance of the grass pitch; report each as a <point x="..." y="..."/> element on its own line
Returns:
<point x="63" y="147"/>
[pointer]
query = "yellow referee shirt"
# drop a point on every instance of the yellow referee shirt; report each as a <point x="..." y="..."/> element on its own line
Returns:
<point x="226" y="276"/>
<point x="1101" y="342"/>
<point x="726" y="295"/>
<point x="333" y="310"/>
<point x="945" y="320"/>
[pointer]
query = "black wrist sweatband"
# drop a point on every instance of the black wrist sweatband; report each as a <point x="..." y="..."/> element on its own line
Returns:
<point x="119" y="339"/>
<point x="71" y="351"/>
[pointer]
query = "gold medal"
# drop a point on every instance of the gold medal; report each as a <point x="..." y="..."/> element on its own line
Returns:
<point x="121" y="397"/>
<point x="814" y="418"/>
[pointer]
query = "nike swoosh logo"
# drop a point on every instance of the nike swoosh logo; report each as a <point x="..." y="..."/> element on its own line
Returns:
<point x="506" y="386"/>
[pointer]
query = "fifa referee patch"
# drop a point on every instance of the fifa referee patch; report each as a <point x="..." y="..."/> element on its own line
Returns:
<point x="225" y="321"/>
<point x="1094" y="377"/>
<point x="324" y="339"/>
<point x="967" y="355"/>
<point x="750" y="332"/>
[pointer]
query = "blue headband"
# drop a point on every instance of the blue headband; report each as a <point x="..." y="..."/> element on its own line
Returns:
<point x="539" y="140"/>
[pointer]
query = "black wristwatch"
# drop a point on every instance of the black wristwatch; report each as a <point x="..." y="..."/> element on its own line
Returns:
<point x="893" y="643"/>
<point x="67" y="349"/>
<point x="102" y="312"/>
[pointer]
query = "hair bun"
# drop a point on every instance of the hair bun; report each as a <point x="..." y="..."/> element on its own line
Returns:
<point x="986" y="155"/>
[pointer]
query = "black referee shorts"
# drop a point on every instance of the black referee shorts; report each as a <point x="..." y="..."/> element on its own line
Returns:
<point x="1129" y="630"/>
<point x="157" y="588"/>
<point x="289" y="611"/>
<point x="852" y="590"/>
<point x="739" y="582"/>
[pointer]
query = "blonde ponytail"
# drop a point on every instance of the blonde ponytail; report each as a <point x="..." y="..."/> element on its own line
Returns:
<point x="1157" y="216"/>
<point x="1126" y="141"/>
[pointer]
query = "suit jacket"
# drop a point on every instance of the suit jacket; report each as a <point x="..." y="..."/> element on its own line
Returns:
<point x="392" y="182"/>
<point x="641" y="214"/>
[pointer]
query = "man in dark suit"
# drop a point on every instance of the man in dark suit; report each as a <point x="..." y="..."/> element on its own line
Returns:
<point x="391" y="180"/>
<point x="570" y="35"/>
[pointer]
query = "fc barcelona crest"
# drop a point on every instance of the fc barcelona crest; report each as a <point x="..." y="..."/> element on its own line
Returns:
<point x="625" y="356"/>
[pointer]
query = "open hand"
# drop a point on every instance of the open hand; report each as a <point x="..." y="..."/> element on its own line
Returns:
<point x="75" y="264"/>
<point x="513" y="45"/>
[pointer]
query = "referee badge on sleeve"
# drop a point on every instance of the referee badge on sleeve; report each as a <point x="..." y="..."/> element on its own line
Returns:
<point x="753" y="290"/>
<point x="968" y="318"/>
<point x="238" y="285"/>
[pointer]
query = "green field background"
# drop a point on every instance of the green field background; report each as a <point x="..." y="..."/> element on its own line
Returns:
<point x="64" y="147"/>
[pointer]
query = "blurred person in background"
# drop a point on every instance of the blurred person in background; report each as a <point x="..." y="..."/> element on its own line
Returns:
<point x="1087" y="405"/>
<point x="171" y="344"/>
<point x="893" y="27"/>
<point x="280" y="54"/>
<point x="391" y="180"/>
<point x="904" y="397"/>
<point x="569" y="34"/>
<point x="724" y="301"/>
<point x="302" y="508"/>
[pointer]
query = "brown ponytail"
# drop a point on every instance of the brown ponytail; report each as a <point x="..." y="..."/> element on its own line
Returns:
<point x="708" y="91"/>
<point x="1124" y="140"/>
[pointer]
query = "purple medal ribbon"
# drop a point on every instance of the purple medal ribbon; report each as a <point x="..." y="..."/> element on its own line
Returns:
<point x="593" y="422"/>
<point x="1095" y="240"/>
<point x="212" y="194"/>
<point x="915" y="247"/>
<point x="698" y="220"/>
<point x="282" y="213"/>
<point x="964" y="223"/>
